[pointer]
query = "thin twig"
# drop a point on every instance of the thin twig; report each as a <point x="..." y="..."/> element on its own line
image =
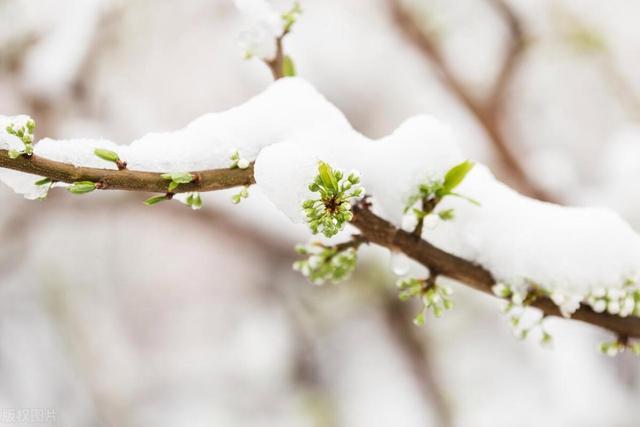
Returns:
<point x="276" y="65"/>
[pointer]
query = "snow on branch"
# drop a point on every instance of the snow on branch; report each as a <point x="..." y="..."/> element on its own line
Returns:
<point x="303" y="154"/>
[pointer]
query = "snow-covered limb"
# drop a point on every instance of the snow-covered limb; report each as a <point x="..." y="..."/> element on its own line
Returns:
<point x="380" y="231"/>
<point x="374" y="228"/>
<point x="286" y="108"/>
<point x="290" y="128"/>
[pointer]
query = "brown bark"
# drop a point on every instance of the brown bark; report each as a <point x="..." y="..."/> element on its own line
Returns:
<point x="373" y="228"/>
<point x="209" y="180"/>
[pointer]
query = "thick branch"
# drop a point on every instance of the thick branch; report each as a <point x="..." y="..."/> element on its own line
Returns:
<point x="130" y="180"/>
<point x="373" y="228"/>
<point x="381" y="232"/>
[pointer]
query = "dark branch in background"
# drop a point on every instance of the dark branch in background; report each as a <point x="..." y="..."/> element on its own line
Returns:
<point x="487" y="113"/>
<point x="109" y="179"/>
<point x="419" y="354"/>
<point x="373" y="228"/>
<point x="517" y="45"/>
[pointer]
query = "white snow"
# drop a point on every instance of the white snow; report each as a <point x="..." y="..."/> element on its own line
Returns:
<point x="23" y="183"/>
<point x="265" y="25"/>
<point x="520" y="240"/>
<point x="8" y="141"/>
<point x="391" y="168"/>
<point x="286" y="108"/>
<point x="290" y="127"/>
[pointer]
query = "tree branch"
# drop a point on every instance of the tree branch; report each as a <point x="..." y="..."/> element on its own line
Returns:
<point x="517" y="44"/>
<point x="373" y="228"/>
<point x="381" y="232"/>
<point x="486" y="113"/>
<point x="129" y="180"/>
<point x="276" y="65"/>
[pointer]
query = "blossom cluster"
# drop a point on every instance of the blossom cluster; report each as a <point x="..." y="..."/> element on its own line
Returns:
<point x="622" y="302"/>
<point x="326" y="263"/>
<point x="24" y="132"/>
<point x="332" y="209"/>
<point x="435" y="297"/>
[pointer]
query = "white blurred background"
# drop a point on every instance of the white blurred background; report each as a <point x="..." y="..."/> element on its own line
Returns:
<point x="115" y="314"/>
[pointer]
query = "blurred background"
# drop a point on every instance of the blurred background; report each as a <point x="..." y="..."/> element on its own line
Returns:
<point x="115" y="314"/>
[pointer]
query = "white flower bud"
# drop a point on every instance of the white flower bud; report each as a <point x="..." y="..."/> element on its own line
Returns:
<point x="500" y="290"/>
<point x="613" y="307"/>
<point x="627" y="306"/>
<point x="315" y="261"/>
<point x="599" y="306"/>
<point x="558" y="298"/>
<point x="243" y="163"/>
<point x="518" y="298"/>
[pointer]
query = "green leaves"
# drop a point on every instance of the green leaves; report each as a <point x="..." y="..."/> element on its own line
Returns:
<point x="454" y="177"/>
<point x="325" y="263"/>
<point x="82" y="187"/>
<point x="177" y="178"/>
<point x="194" y="200"/>
<point x="44" y="182"/>
<point x="154" y="200"/>
<point x="291" y="16"/>
<point x="447" y="214"/>
<point x="242" y="194"/>
<point x="328" y="178"/>
<point x="435" y="298"/>
<point x="110" y="156"/>
<point x="332" y="209"/>
<point x="288" y="67"/>
<point x="430" y="194"/>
